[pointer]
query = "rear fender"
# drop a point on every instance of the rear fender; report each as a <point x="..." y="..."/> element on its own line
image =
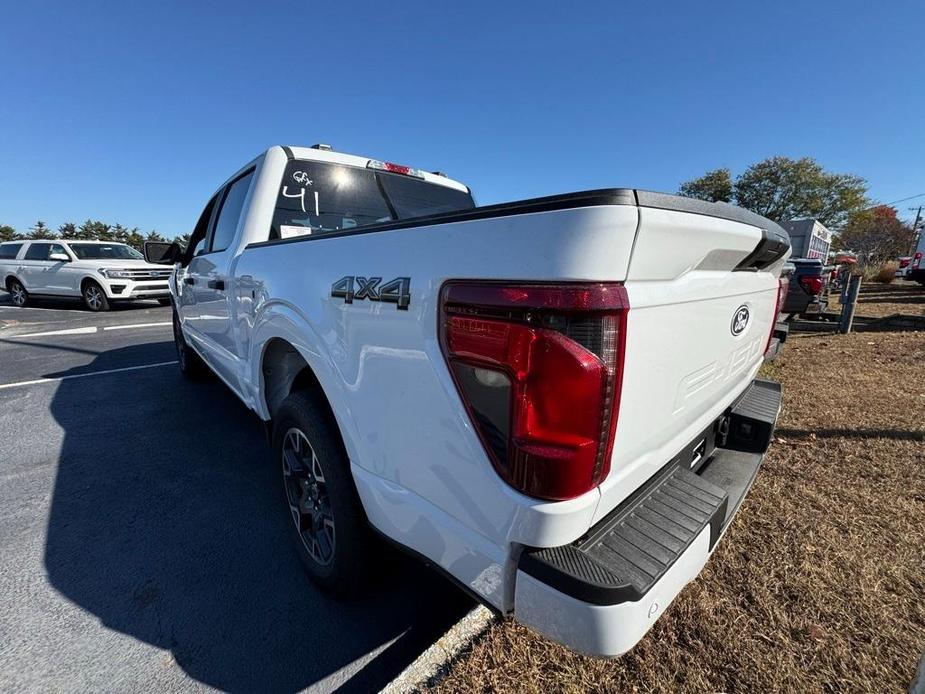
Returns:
<point x="281" y="320"/>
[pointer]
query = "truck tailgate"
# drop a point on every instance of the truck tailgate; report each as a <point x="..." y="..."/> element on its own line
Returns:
<point x="696" y="334"/>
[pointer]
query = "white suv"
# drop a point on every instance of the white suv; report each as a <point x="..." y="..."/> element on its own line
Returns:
<point x="97" y="271"/>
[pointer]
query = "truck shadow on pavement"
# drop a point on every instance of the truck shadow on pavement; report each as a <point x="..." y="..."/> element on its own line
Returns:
<point x="166" y="523"/>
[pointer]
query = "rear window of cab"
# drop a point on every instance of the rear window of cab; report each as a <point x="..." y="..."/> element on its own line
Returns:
<point x="321" y="197"/>
<point x="8" y="251"/>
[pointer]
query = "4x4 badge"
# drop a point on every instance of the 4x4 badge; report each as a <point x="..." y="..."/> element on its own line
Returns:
<point x="397" y="291"/>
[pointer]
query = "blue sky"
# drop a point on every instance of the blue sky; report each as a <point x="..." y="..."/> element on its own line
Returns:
<point x="134" y="112"/>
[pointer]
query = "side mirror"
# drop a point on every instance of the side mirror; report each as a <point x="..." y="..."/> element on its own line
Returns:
<point x="162" y="253"/>
<point x="59" y="257"/>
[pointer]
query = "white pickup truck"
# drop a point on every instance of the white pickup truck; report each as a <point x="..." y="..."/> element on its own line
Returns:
<point x="554" y="400"/>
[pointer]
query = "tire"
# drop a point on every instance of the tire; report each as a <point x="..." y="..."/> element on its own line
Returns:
<point x="164" y="302"/>
<point x="324" y="514"/>
<point x="191" y="364"/>
<point x="94" y="297"/>
<point x="18" y="293"/>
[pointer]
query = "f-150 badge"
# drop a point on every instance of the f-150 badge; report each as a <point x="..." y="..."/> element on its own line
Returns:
<point x="350" y="288"/>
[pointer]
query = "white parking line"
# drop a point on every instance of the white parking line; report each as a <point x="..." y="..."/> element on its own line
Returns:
<point x="92" y="373"/>
<point x="91" y="330"/>
<point x="137" y="325"/>
<point x="69" y="331"/>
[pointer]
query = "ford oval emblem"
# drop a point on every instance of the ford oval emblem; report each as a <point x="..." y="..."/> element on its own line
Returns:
<point x="740" y="320"/>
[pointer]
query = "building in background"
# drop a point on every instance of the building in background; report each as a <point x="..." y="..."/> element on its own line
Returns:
<point x="809" y="238"/>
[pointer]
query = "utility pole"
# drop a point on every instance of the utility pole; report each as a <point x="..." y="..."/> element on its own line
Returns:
<point x="915" y="229"/>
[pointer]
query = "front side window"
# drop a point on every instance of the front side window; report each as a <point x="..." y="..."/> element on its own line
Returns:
<point x="319" y="197"/>
<point x="8" y="251"/>
<point x="104" y="251"/>
<point x="38" y="251"/>
<point x="227" y="222"/>
<point x="196" y="239"/>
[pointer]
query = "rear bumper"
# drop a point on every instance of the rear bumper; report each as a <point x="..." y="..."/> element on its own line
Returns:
<point x="600" y="594"/>
<point x="816" y="306"/>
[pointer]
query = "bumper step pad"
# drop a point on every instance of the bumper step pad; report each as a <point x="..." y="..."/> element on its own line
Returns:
<point x="623" y="556"/>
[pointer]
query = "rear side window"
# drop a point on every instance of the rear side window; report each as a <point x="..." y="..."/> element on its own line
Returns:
<point x="8" y="251"/>
<point x="37" y="251"/>
<point x="318" y="197"/>
<point x="229" y="214"/>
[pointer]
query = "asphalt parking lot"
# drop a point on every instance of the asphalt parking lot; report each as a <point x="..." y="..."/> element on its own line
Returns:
<point x="142" y="538"/>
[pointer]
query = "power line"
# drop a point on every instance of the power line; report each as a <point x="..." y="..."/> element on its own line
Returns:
<point x="911" y="197"/>
<point x="895" y="202"/>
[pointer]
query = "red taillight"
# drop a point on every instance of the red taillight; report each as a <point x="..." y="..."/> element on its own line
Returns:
<point x="539" y="370"/>
<point x="813" y="285"/>
<point x="917" y="260"/>
<point x="904" y="262"/>
<point x="783" y="284"/>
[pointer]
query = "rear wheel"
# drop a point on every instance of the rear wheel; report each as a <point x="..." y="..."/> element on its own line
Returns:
<point x="18" y="293"/>
<point x="191" y="364"/>
<point x="326" y="518"/>
<point x="94" y="297"/>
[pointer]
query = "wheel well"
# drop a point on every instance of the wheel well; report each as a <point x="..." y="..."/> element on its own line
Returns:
<point x="85" y="281"/>
<point x="284" y="371"/>
<point x="9" y="281"/>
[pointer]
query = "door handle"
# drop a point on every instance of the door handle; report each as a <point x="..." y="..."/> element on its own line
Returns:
<point x="189" y="280"/>
<point x="217" y="284"/>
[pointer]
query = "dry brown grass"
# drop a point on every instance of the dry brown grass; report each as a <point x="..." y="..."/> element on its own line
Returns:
<point x="878" y="300"/>
<point x="819" y="584"/>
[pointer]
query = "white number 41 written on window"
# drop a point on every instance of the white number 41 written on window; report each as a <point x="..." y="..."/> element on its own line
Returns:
<point x="301" y="196"/>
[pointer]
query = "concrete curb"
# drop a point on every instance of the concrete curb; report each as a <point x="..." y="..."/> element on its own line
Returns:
<point x="435" y="661"/>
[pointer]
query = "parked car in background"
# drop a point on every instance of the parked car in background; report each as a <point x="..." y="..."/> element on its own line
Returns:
<point x="782" y="327"/>
<point x="98" y="272"/>
<point x="807" y="294"/>
<point x="554" y="400"/>
<point x="905" y="265"/>
<point x="916" y="271"/>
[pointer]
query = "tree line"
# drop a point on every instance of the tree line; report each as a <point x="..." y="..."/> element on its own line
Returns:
<point x="90" y="230"/>
<point x="782" y="189"/>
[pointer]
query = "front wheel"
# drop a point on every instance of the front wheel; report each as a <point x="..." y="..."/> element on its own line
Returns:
<point x="18" y="293"/>
<point x="94" y="297"/>
<point x="326" y="518"/>
<point x="191" y="364"/>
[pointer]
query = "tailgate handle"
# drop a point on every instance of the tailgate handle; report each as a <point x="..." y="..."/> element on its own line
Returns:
<point x="217" y="284"/>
